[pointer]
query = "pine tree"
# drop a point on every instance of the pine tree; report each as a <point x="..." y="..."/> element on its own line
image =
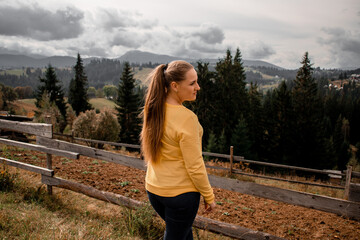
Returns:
<point x="240" y="140"/>
<point x="50" y="85"/>
<point x="283" y="127"/>
<point x="255" y="122"/>
<point x="231" y="99"/>
<point x="128" y="107"/>
<point x="311" y="147"/>
<point x="204" y="106"/>
<point x="78" y="97"/>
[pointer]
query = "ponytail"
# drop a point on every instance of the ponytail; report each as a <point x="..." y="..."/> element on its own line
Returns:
<point x="154" y="109"/>
<point x="154" y="115"/>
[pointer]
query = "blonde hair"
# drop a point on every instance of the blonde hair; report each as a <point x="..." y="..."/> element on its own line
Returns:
<point x="154" y="109"/>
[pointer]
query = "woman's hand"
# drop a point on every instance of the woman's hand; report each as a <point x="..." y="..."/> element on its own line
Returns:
<point x="209" y="207"/>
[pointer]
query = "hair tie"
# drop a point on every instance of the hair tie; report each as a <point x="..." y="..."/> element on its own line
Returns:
<point x="165" y="67"/>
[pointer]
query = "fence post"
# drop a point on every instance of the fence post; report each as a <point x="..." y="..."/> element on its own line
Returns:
<point x="48" y="157"/>
<point x="231" y="159"/>
<point x="347" y="182"/>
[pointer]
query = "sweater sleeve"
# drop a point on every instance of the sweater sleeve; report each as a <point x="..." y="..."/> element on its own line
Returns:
<point x="190" y="145"/>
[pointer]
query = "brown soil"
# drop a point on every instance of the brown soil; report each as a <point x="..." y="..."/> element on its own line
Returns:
<point x="276" y="218"/>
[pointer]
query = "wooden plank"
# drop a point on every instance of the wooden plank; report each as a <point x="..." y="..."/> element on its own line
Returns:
<point x="286" y="166"/>
<point x="28" y="167"/>
<point x="135" y="146"/>
<point x="226" y="229"/>
<point x="347" y="182"/>
<point x="231" y="230"/>
<point x="287" y="180"/>
<point x="326" y="204"/>
<point x="355" y="174"/>
<point x="236" y="171"/>
<point x="93" y="152"/>
<point x="323" y="203"/>
<point x="231" y="159"/>
<point x="39" y="148"/>
<point x="39" y="129"/>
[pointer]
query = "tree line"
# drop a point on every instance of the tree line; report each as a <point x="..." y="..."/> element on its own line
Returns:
<point x="298" y="123"/>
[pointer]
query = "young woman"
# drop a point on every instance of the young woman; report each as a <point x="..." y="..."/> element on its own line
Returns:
<point x="171" y="145"/>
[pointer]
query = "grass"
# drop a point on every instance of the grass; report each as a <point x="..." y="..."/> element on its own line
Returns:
<point x="102" y="103"/>
<point x="142" y="75"/>
<point x="28" y="212"/>
<point x="28" y="101"/>
<point x="17" y="72"/>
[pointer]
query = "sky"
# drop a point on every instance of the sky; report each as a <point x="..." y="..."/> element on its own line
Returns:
<point x="275" y="31"/>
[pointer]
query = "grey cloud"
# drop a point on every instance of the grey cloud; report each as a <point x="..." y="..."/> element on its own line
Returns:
<point x="112" y="19"/>
<point x="127" y="39"/>
<point x="260" y="51"/>
<point x="205" y="48"/>
<point x="334" y="31"/>
<point x="90" y="49"/>
<point x="341" y="39"/>
<point x="343" y="44"/>
<point x="210" y="34"/>
<point x="39" y="23"/>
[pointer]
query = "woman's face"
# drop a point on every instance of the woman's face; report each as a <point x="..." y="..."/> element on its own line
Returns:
<point x="187" y="89"/>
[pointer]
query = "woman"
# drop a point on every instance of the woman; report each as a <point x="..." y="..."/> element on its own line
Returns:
<point x="171" y="145"/>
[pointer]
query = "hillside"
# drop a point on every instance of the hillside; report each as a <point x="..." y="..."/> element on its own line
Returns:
<point x="134" y="56"/>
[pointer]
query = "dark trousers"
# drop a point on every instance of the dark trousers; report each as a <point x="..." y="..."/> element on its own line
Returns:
<point x="178" y="213"/>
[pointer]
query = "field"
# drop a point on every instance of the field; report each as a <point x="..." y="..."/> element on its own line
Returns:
<point x="27" y="107"/>
<point x="276" y="218"/>
<point x="73" y="216"/>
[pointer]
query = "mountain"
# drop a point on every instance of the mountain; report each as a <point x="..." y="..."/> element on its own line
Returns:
<point x="135" y="56"/>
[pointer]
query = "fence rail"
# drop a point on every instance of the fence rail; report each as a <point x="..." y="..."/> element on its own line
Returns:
<point x="338" y="206"/>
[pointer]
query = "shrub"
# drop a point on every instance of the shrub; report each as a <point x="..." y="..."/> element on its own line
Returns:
<point x="48" y="112"/>
<point x="108" y="127"/>
<point x="85" y="124"/>
<point x="103" y="126"/>
<point x="7" y="180"/>
<point x="141" y="222"/>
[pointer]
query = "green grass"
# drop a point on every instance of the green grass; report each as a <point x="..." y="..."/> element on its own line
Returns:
<point x="142" y="75"/>
<point x="28" y="101"/>
<point x="28" y="212"/>
<point x="17" y="72"/>
<point x="102" y="103"/>
<point x="97" y="103"/>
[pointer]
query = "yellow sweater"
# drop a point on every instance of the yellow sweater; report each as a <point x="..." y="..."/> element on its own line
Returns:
<point x="181" y="167"/>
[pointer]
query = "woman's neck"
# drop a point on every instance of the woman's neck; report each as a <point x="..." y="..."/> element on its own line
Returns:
<point x="173" y="100"/>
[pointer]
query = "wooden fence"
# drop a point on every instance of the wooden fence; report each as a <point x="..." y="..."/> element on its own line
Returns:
<point x="232" y="159"/>
<point x="50" y="146"/>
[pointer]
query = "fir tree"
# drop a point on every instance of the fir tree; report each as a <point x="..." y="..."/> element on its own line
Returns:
<point x="128" y="107"/>
<point x="50" y="85"/>
<point x="231" y="99"/>
<point x="283" y="127"/>
<point x="311" y="147"/>
<point x="78" y="97"/>
<point x="240" y="140"/>
<point x="255" y="122"/>
<point x="204" y="107"/>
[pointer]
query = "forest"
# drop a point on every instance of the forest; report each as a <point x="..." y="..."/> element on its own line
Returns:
<point x="303" y="121"/>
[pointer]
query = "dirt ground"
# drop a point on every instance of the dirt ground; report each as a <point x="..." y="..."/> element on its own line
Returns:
<point x="276" y="218"/>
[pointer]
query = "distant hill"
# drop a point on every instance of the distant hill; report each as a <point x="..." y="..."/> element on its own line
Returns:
<point x="135" y="56"/>
<point x="19" y="61"/>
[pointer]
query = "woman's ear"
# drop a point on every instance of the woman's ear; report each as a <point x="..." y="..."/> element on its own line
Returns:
<point x="174" y="86"/>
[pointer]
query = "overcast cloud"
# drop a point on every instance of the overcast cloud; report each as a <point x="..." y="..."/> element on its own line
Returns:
<point x="277" y="31"/>
<point x="40" y="24"/>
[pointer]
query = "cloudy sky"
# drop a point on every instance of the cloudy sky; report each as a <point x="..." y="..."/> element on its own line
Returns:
<point x="276" y="31"/>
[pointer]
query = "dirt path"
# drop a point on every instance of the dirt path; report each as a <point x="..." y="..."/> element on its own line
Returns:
<point x="276" y="218"/>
